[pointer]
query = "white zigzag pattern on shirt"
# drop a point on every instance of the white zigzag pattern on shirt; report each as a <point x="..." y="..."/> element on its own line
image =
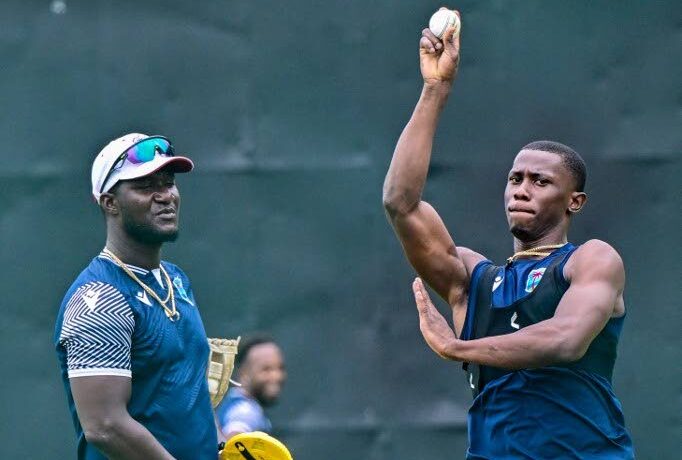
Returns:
<point x="99" y="337"/>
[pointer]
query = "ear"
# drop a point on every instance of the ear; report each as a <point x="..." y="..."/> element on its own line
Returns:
<point x="109" y="204"/>
<point x="578" y="200"/>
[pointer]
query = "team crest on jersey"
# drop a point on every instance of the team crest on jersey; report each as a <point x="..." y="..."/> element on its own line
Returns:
<point x="534" y="278"/>
<point x="177" y="282"/>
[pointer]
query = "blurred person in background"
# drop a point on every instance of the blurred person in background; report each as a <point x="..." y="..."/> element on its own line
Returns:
<point x="261" y="372"/>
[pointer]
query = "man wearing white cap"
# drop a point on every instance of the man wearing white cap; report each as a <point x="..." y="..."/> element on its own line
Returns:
<point x="130" y="342"/>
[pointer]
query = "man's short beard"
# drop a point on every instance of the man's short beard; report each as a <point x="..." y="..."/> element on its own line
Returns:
<point x="521" y="234"/>
<point x="534" y="231"/>
<point x="147" y="234"/>
<point x="264" y="400"/>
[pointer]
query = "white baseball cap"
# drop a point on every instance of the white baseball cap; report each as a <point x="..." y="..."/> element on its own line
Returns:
<point x="118" y="161"/>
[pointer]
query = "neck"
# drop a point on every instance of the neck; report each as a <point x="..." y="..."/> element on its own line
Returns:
<point x="133" y="252"/>
<point x="248" y="393"/>
<point x="557" y="236"/>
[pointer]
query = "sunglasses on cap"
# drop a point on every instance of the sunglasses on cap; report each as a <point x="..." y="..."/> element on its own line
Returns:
<point x="142" y="151"/>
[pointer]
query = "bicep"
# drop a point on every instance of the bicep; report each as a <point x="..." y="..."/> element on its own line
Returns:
<point x="590" y="301"/>
<point x="100" y="398"/>
<point x="431" y="250"/>
<point x="584" y="310"/>
<point x="96" y="335"/>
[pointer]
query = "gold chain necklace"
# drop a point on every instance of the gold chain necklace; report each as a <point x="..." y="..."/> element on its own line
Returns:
<point x="172" y="313"/>
<point x="540" y="251"/>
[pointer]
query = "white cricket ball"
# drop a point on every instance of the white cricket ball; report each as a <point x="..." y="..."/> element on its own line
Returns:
<point x="441" y="20"/>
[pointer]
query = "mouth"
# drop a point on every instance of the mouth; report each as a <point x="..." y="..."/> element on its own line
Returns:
<point x="520" y="211"/>
<point x="167" y="213"/>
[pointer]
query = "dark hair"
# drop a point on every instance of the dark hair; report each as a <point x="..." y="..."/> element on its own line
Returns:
<point x="571" y="159"/>
<point x="245" y="345"/>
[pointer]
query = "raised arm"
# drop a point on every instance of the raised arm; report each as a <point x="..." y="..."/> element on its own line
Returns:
<point x="101" y="403"/>
<point x="595" y="295"/>
<point x="425" y="240"/>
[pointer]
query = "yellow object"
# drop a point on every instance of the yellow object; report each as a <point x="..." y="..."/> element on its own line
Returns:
<point x="254" y="446"/>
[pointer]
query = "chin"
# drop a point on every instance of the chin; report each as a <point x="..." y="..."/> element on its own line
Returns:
<point x="159" y="238"/>
<point x="151" y="234"/>
<point x="155" y="234"/>
<point x="268" y="401"/>
<point x="268" y="398"/>
<point x="170" y="232"/>
<point x="169" y="237"/>
<point x="521" y="233"/>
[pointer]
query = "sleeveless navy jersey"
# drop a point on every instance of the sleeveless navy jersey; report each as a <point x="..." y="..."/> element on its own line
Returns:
<point x="554" y="412"/>
<point x="108" y="325"/>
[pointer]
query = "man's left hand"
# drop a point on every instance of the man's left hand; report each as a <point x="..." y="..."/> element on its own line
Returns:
<point x="435" y="329"/>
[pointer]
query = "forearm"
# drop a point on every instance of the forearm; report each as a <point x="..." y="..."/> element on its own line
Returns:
<point x="407" y="173"/>
<point x="581" y="314"/>
<point x="126" y="439"/>
<point x="542" y="344"/>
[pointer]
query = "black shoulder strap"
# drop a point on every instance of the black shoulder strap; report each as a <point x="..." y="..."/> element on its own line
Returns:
<point x="481" y="319"/>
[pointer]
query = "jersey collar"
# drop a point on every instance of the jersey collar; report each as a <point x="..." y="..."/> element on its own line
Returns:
<point x="133" y="268"/>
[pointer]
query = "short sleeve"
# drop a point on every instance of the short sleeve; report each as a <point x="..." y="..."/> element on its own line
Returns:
<point x="97" y="332"/>
<point x="242" y="417"/>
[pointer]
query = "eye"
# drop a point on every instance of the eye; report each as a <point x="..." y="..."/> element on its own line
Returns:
<point x="542" y="181"/>
<point x="514" y="179"/>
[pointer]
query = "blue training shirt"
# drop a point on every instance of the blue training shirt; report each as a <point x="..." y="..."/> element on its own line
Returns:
<point x="240" y="413"/>
<point x="549" y="412"/>
<point x="108" y="325"/>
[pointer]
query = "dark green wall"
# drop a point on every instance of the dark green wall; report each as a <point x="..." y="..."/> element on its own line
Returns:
<point x="291" y="111"/>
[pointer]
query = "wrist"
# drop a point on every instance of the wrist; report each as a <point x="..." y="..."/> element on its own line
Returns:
<point x="435" y="94"/>
<point x="440" y="88"/>
<point x="451" y="350"/>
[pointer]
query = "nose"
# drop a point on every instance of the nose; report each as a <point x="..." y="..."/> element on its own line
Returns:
<point x="164" y="195"/>
<point x="279" y="376"/>
<point x="521" y="191"/>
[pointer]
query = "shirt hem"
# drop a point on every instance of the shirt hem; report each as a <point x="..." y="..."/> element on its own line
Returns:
<point x="99" y="371"/>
